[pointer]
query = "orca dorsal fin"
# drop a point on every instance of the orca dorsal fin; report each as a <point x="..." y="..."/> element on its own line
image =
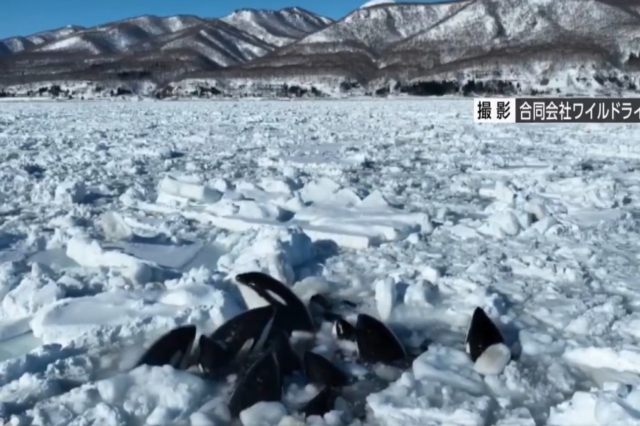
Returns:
<point x="322" y="403"/>
<point x="376" y="342"/>
<point x="245" y="326"/>
<point x="481" y="333"/>
<point x="170" y="349"/>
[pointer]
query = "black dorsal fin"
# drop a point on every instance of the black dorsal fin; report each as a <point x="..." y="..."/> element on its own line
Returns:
<point x="173" y="347"/>
<point x="482" y="334"/>
<point x="376" y="342"/>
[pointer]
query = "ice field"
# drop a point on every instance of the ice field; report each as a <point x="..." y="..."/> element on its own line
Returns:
<point x="121" y="220"/>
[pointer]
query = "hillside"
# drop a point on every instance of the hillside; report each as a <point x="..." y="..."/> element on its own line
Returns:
<point x="152" y="47"/>
<point x="551" y="46"/>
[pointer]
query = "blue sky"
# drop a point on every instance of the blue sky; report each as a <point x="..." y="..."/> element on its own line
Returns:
<point x="24" y="17"/>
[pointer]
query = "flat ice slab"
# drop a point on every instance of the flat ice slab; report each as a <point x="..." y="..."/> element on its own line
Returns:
<point x="323" y="209"/>
<point x="18" y="346"/>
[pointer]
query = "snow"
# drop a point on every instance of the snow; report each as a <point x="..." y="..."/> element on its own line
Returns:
<point x="142" y="213"/>
<point x="385" y="297"/>
<point x="278" y="28"/>
<point x="376" y="3"/>
<point x="493" y="360"/>
<point x="263" y="414"/>
<point x="440" y="388"/>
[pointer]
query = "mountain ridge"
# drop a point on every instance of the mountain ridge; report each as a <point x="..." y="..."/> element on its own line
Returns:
<point x="494" y="46"/>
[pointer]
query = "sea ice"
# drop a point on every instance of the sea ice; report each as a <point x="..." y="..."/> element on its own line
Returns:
<point x="144" y="212"/>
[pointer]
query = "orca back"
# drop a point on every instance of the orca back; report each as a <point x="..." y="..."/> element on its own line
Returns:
<point x="376" y="342"/>
<point x="262" y="383"/>
<point x="173" y="348"/>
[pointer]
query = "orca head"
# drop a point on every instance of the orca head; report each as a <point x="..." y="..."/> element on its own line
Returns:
<point x="376" y="342"/>
<point x="485" y="344"/>
<point x="318" y="306"/>
<point x="261" y="383"/>
<point x="267" y="287"/>
<point x="344" y="330"/>
<point x="173" y="348"/>
<point x="296" y="313"/>
<point x="253" y="296"/>
<point x="319" y="370"/>
<point x="322" y="403"/>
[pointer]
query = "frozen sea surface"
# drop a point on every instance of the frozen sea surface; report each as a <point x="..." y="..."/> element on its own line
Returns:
<point x="119" y="221"/>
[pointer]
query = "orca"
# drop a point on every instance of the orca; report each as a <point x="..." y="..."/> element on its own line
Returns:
<point x="331" y="316"/>
<point x="261" y="383"/>
<point x="320" y="370"/>
<point x="246" y="330"/>
<point x="293" y="313"/>
<point x="376" y="342"/>
<point x="321" y="301"/>
<point x="288" y="359"/>
<point x="485" y="345"/>
<point x="213" y="356"/>
<point x="343" y="330"/>
<point x="349" y="303"/>
<point x="244" y="334"/>
<point x="322" y="403"/>
<point x="325" y="307"/>
<point x="319" y="306"/>
<point x="173" y="348"/>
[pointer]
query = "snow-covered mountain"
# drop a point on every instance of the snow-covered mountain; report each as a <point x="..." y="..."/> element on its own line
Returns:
<point x="278" y="28"/>
<point x="265" y="28"/>
<point x="544" y="45"/>
<point x="371" y="3"/>
<point x="118" y="37"/>
<point x="149" y="41"/>
<point x="20" y="44"/>
<point x="469" y="45"/>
